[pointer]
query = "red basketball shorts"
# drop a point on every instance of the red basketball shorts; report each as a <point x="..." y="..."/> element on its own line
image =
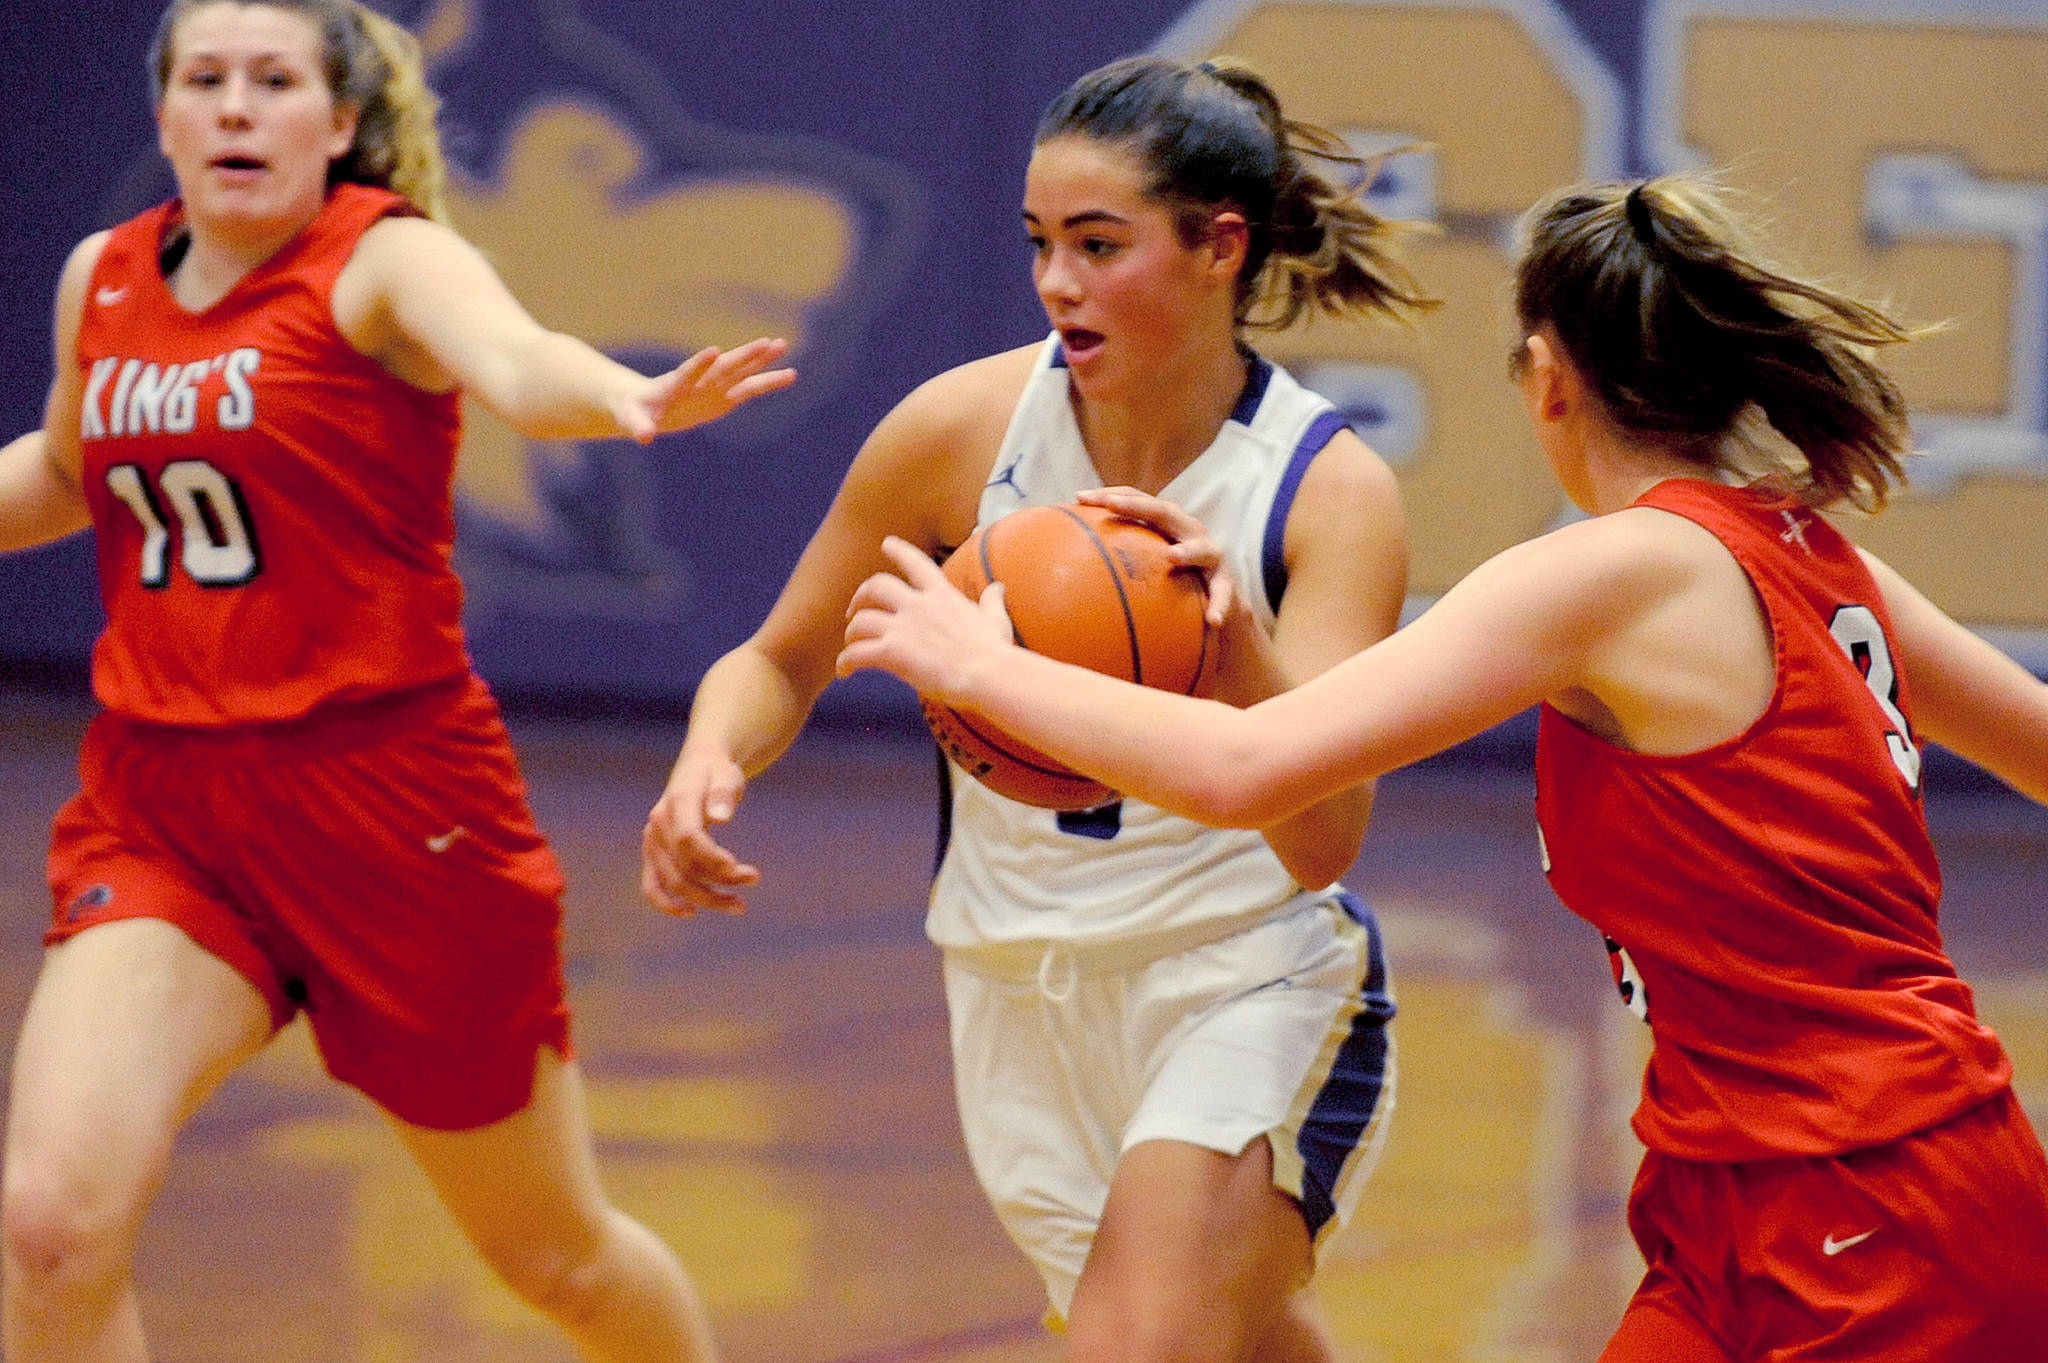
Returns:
<point x="374" y="864"/>
<point x="1933" y="1248"/>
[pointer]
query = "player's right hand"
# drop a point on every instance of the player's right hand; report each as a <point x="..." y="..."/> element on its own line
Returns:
<point x="682" y="867"/>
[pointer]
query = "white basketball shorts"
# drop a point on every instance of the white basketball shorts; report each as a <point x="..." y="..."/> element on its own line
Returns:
<point x="1280" y="1031"/>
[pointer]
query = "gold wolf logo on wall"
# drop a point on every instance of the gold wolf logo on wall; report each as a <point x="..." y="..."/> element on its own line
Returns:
<point x="614" y="217"/>
<point x="709" y="263"/>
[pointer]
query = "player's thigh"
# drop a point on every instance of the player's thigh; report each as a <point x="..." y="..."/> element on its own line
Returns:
<point x="525" y="1188"/>
<point x="130" y="1026"/>
<point x="1197" y="1243"/>
<point x="1656" y="1328"/>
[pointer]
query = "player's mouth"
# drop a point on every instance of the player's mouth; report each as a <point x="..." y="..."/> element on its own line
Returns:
<point x="237" y="168"/>
<point x="1080" y="343"/>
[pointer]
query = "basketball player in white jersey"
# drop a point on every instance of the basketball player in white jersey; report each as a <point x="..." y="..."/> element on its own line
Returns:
<point x="1170" y="1042"/>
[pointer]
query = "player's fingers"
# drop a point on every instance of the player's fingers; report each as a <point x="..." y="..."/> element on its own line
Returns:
<point x="994" y="605"/>
<point x="659" y="898"/>
<point x="687" y="899"/>
<point x="758" y="385"/>
<point x="1162" y="515"/>
<point x="659" y="875"/>
<point x="866" y="627"/>
<point x="1222" y="596"/>
<point x="692" y="370"/>
<point x="867" y="645"/>
<point x="758" y="353"/>
<point x="750" y="359"/>
<point x="915" y="564"/>
<point x="880" y="592"/>
<point x="695" y="874"/>
<point x="1197" y="551"/>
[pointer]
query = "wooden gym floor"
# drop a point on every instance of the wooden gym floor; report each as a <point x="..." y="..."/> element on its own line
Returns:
<point x="771" y="1093"/>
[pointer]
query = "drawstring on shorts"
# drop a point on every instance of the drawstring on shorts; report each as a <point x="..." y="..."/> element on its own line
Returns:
<point x="1057" y="954"/>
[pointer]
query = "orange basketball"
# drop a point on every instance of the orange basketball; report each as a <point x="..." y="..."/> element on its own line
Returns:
<point x="1086" y="586"/>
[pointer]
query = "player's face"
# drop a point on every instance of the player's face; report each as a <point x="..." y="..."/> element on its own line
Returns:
<point x="247" y="121"/>
<point x="1123" y="290"/>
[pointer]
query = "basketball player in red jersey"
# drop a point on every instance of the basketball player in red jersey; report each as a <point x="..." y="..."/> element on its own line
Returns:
<point x="298" y="795"/>
<point x="1728" y="786"/>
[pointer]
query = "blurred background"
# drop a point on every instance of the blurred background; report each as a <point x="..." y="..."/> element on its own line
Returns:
<point x="772" y="1092"/>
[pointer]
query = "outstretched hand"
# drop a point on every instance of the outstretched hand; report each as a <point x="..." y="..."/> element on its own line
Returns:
<point x="915" y="624"/>
<point x="705" y="387"/>
<point x="1192" y="546"/>
<point x="683" y="868"/>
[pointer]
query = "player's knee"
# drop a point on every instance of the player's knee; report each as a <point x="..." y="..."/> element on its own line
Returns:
<point x="1147" y="1337"/>
<point x="59" y="1227"/>
<point x="565" y="1283"/>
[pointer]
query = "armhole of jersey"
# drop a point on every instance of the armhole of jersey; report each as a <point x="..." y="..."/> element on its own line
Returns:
<point x="387" y="204"/>
<point x="1727" y="528"/>
<point x="1273" y="554"/>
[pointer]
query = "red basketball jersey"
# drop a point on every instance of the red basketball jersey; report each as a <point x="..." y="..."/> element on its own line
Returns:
<point x="1770" y="902"/>
<point x="274" y="510"/>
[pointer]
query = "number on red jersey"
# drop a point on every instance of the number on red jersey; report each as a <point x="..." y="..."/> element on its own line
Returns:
<point x="216" y="543"/>
<point x="1857" y="630"/>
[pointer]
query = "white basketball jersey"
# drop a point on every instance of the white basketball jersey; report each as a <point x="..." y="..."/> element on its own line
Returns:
<point x="1017" y="876"/>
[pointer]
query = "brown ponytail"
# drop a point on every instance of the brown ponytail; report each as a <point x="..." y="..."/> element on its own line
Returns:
<point x="1688" y="334"/>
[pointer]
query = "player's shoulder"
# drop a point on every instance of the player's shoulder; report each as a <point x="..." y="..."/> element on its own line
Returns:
<point x="84" y="257"/>
<point x="974" y="389"/>
<point x="1635" y="553"/>
<point x="397" y="246"/>
<point x="963" y="410"/>
<point x="1346" y="468"/>
<point x="77" y="273"/>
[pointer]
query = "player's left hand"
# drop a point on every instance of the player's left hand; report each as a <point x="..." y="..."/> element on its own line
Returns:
<point x="915" y="624"/>
<point x="1193" y="548"/>
<point x="705" y="387"/>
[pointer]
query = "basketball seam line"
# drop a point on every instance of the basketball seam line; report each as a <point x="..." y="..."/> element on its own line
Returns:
<point x="1123" y="597"/>
<point x="991" y="740"/>
<point x="988" y="577"/>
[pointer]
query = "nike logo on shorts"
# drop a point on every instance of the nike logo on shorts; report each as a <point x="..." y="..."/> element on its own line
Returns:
<point x="441" y="842"/>
<point x="106" y="297"/>
<point x="1831" y="1246"/>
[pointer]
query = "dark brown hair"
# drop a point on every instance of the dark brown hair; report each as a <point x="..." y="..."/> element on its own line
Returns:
<point x="1211" y="136"/>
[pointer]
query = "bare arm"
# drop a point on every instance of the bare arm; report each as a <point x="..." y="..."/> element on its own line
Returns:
<point x="1347" y="550"/>
<point x="41" y="499"/>
<point x="916" y="474"/>
<point x="1966" y="695"/>
<point x="41" y="496"/>
<point x="426" y="303"/>
<point x="1346" y="554"/>
<point x="1523" y="627"/>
